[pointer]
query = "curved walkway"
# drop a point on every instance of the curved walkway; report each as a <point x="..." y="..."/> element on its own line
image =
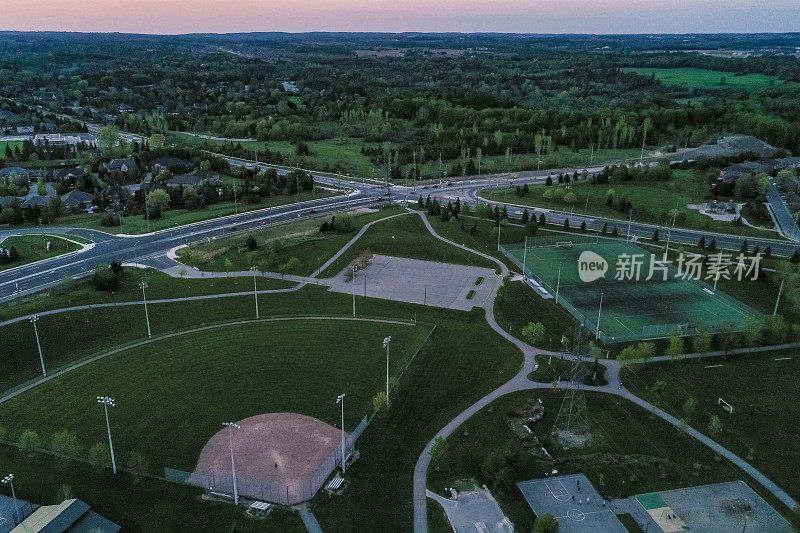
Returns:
<point x="521" y="382"/>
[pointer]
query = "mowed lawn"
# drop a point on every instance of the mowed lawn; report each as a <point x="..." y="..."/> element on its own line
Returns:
<point x="765" y="424"/>
<point x="34" y="248"/>
<point x="406" y="236"/>
<point x="652" y="201"/>
<point x="707" y="79"/>
<point x="10" y="144"/>
<point x="172" y="395"/>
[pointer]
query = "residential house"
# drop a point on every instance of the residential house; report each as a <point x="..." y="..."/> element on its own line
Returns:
<point x="195" y="178"/>
<point x="25" y="130"/>
<point x="49" y="127"/>
<point x="290" y="87"/>
<point x="36" y="201"/>
<point x="14" y="172"/>
<point x="65" y="139"/>
<point x="173" y="164"/>
<point x="70" y="516"/>
<point x="120" y="167"/>
<point x="149" y="184"/>
<point x="71" y="173"/>
<point x="78" y="200"/>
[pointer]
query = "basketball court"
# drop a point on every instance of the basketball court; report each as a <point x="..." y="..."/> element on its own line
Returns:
<point x="731" y="506"/>
<point x="573" y="501"/>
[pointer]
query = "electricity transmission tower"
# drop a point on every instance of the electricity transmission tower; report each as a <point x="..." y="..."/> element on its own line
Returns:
<point x="572" y="423"/>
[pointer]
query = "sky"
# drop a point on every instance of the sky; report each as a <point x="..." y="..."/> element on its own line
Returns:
<point x="507" y="16"/>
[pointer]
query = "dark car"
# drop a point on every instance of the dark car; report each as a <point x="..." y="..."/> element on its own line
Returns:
<point x="232" y="228"/>
<point x="312" y="211"/>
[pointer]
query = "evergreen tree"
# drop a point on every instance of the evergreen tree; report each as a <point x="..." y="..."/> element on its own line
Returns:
<point x="712" y="246"/>
<point x="583" y="226"/>
<point x="702" y="243"/>
<point x="566" y="224"/>
<point x="655" y="235"/>
<point x="542" y="220"/>
<point x="525" y="217"/>
<point x="605" y="228"/>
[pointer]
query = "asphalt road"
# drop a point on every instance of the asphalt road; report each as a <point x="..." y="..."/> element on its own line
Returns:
<point x="150" y="249"/>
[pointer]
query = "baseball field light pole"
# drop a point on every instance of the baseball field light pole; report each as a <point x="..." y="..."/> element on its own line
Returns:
<point x="778" y="299"/>
<point x="33" y="320"/>
<point x="558" y="282"/>
<point x="230" y="426"/>
<point x="109" y="402"/>
<point x="599" y="310"/>
<point x="340" y="400"/>
<point x="353" y="281"/>
<point x="669" y="234"/>
<point x="524" y="257"/>
<point x="386" y="343"/>
<point x="255" y="287"/>
<point x="143" y="286"/>
<point x="9" y="480"/>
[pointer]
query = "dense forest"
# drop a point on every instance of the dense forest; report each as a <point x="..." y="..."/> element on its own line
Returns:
<point x="451" y="96"/>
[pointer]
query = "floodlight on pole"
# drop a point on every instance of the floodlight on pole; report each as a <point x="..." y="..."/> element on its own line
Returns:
<point x="353" y="281"/>
<point x="9" y="480"/>
<point x="340" y="400"/>
<point x="33" y="320"/>
<point x="109" y="402"/>
<point x="230" y="426"/>
<point x="524" y="257"/>
<point x="386" y="342"/>
<point x="558" y="282"/>
<point x="599" y="310"/>
<point x="143" y="286"/>
<point x="255" y="287"/>
<point x="630" y="219"/>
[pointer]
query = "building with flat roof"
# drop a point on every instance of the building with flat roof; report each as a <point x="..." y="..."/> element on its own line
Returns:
<point x="70" y="516"/>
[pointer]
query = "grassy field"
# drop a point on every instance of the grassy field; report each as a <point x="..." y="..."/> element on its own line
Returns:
<point x="498" y="164"/>
<point x="652" y="201"/>
<point x="34" y="248"/>
<point x="522" y="305"/>
<point x="763" y="428"/>
<point x="707" y="79"/>
<point x="341" y="155"/>
<point x="632" y="452"/>
<point x="451" y="371"/>
<point x="159" y="285"/>
<point x="179" y="390"/>
<point x="138" y="224"/>
<point x="300" y="239"/>
<point x="406" y="236"/>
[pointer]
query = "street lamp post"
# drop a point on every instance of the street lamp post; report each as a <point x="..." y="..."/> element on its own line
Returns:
<point x="353" y="281"/>
<point x="340" y="400"/>
<point x="143" y="286"/>
<point x="230" y="426"/>
<point x="33" y="320"/>
<point x="255" y="287"/>
<point x="386" y="342"/>
<point x="9" y="480"/>
<point x="630" y="218"/>
<point x="107" y="401"/>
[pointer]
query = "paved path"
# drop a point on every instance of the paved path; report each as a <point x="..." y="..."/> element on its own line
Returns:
<point x="308" y="518"/>
<point x="521" y="382"/>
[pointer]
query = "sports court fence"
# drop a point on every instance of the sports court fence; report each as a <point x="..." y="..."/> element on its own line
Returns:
<point x="221" y="481"/>
<point x="517" y="254"/>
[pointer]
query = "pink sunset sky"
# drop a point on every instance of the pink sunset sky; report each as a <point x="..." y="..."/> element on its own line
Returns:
<point x="524" y="16"/>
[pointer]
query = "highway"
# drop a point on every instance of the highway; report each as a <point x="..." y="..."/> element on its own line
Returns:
<point x="150" y="249"/>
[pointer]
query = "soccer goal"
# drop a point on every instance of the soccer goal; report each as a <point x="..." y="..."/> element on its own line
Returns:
<point x="725" y="405"/>
<point x="564" y="244"/>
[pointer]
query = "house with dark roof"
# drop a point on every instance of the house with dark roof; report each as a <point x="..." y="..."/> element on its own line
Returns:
<point x="36" y="201"/>
<point x="120" y="167"/>
<point x="14" y="172"/>
<point x="195" y="178"/>
<point x="116" y="195"/>
<point x="69" y="173"/>
<point x="173" y="164"/>
<point x="70" y="516"/>
<point x="78" y="200"/>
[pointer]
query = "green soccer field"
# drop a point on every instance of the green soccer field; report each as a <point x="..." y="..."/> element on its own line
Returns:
<point x="631" y="309"/>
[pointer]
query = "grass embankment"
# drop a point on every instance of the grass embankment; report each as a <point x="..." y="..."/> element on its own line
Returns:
<point x="763" y="427"/>
<point x="299" y="239"/>
<point x="652" y="201"/>
<point x="631" y="453"/>
<point x="138" y="224"/>
<point x="72" y="292"/>
<point x="452" y="370"/>
<point x="178" y="390"/>
<point x="522" y="305"/>
<point x="406" y="236"/>
<point x="33" y="248"/>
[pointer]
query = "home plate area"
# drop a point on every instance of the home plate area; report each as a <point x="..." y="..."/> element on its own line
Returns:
<point x="279" y="457"/>
<point x="573" y="501"/>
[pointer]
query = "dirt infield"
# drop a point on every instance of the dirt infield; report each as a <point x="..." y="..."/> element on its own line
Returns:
<point x="275" y="450"/>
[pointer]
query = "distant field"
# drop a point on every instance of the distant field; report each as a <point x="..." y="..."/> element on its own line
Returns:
<point x="706" y="79"/>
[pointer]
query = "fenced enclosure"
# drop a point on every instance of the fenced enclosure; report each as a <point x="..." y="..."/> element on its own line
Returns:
<point x="631" y="309"/>
<point x="220" y="482"/>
